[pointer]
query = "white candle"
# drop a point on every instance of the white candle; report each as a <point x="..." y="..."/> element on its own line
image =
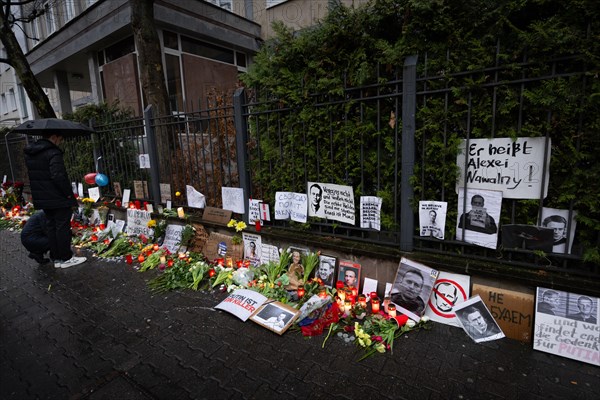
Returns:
<point x="180" y="212"/>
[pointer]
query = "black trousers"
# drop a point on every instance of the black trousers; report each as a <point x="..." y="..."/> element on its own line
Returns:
<point x="59" y="233"/>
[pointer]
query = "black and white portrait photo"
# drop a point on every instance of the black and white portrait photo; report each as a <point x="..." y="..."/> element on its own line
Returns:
<point x="477" y="222"/>
<point x="562" y="233"/>
<point x="477" y="321"/>
<point x="412" y="288"/>
<point x="432" y="218"/>
<point x="275" y="316"/>
<point x="144" y="161"/>
<point x="326" y="270"/>
<point x="315" y="199"/>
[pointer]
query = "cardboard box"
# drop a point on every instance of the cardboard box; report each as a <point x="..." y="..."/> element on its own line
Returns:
<point x="512" y="306"/>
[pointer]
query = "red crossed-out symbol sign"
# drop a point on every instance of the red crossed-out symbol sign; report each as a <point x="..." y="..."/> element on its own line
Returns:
<point x="460" y="292"/>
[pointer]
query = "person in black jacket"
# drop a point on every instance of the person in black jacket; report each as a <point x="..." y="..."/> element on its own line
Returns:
<point x="34" y="237"/>
<point x="51" y="191"/>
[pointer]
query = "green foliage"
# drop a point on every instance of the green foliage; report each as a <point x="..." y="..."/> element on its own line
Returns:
<point x="320" y="127"/>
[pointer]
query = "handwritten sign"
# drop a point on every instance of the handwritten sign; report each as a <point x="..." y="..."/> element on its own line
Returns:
<point x="173" y="238"/>
<point x="513" y="167"/>
<point x="137" y="222"/>
<point x="569" y="335"/>
<point x="512" y="310"/>
<point x="370" y="212"/>
<point x="242" y="303"/>
<point x="290" y="205"/>
<point x="165" y="192"/>
<point x="233" y="199"/>
<point x="140" y="189"/>
<point x="335" y="202"/>
<point x="254" y="210"/>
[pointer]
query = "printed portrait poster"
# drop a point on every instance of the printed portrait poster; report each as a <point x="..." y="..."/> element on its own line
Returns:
<point x="566" y="324"/>
<point x="479" y="223"/>
<point x="144" y="161"/>
<point x="290" y="205"/>
<point x="412" y="288"/>
<point x="513" y="167"/>
<point x="327" y="200"/>
<point x="432" y="218"/>
<point x="242" y="303"/>
<point x="477" y="321"/>
<point x="233" y="199"/>
<point x="370" y="212"/>
<point x="555" y="219"/>
<point x="449" y="291"/>
<point x="173" y="238"/>
<point x="349" y="273"/>
<point x="252" y="248"/>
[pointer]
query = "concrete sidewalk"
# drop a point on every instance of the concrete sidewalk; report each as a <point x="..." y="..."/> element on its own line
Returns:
<point x="95" y="331"/>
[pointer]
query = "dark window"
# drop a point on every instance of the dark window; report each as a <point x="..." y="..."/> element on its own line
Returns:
<point x="207" y="50"/>
<point x="240" y="59"/>
<point x="118" y="50"/>
<point x="170" y="40"/>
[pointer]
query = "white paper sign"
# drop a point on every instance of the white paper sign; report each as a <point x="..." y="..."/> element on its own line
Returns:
<point x="370" y="212"/>
<point x="449" y="291"/>
<point x="80" y="189"/>
<point x="269" y="253"/>
<point x="265" y="214"/>
<point x="512" y="167"/>
<point x="254" y="210"/>
<point x="94" y="193"/>
<point x="195" y="198"/>
<point x="432" y="218"/>
<point x="242" y="303"/>
<point x="173" y="238"/>
<point x="479" y="224"/>
<point x="144" y="161"/>
<point x="233" y="199"/>
<point x="290" y="205"/>
<point x="137" y="222"/>
<point x="126" y="194"/>
<point x="566" y="324"/>
<point x="335" y="202"/>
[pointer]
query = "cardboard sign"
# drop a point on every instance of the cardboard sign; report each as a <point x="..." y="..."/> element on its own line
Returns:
<point x="219" y="246"/>
<point x="217" y="215"/>
<point x="242" y="303"/>
<point x="140" y="189"/>
<point x="199" y="240"/>
<point x="165" y="192"/>
<point x="512" y="310"/>
<point x="512" y="167"/>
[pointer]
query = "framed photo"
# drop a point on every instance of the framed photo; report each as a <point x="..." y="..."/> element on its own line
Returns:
<point x="349" y="273"/>
<point x="275" y="316"/>
<point x="326" y="270"/>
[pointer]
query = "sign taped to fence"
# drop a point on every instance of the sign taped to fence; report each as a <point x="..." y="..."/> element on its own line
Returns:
<point x="290" y="205"/>
<point x="331" y="201"/>
<point x="195" y="198"/>
<point x="233" y="199"/>
<point x="432" y="218"/>
<point x="513" y="167"/>
<point x="137" y="222"/>
<point x="370" y="212"/>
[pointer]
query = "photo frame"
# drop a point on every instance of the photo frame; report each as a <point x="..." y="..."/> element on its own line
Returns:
<point x="275" y="316"/>
<point x="326" y="270"/>
<point x="350" y="280"/>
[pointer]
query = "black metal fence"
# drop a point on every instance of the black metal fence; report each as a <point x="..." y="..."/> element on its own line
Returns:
<point x="396" y="139"/>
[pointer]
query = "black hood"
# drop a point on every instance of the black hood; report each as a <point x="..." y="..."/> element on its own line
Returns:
<point x="39" y="146"/>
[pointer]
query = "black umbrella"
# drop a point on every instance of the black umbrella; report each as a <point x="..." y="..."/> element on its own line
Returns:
<point x="57" y="126"/>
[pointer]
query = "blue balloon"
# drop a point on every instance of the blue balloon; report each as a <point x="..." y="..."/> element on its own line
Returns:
<point x="101" y="180"/>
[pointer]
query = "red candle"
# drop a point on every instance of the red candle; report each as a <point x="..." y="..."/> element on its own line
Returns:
<point x="375" y="305"/>
<point x="138" y="205"/>
<point x="354" y="291"/>
<point x="301" y="291"/>
<point x="323" y="293"/>
<point x="118" y="203"/>
<point x="211" y="272"/>
<point x="373" y="295"/>
<point x="141" y="258"/>
<point x="392" y="310"/>
<point x="257" y="224"/>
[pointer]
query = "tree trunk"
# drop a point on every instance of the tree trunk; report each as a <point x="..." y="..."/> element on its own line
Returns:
<point x="18" y="61"/>
<point x="152" y="77"/>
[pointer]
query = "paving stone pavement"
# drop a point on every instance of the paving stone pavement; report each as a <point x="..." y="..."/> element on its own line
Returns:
<point x="96" y="331"/>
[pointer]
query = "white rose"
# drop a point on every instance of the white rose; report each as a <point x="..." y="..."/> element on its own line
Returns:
<point x="424" y="318"/>
<point x="410" y="323"/>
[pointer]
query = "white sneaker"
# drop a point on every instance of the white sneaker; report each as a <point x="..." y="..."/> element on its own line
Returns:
<point x="70" y="263"/>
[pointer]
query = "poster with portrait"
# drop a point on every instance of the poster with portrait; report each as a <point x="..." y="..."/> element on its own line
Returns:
<point x="327" y="200"/>
<point x="144" y="161"/>
<point x="326" y="270"/>
<point x="275" y="316"/>
<point x="252" y="248"/>
<point x="448" y="291"/>
<point x="349" y="273"/>
<point x="477" y="321"/>
<point x="412" y="288"/>
<point x="562" y="233"/>
<point x="566" y="324"/>
<point x="478" y="223"/>
<point x="432" y="218"/>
